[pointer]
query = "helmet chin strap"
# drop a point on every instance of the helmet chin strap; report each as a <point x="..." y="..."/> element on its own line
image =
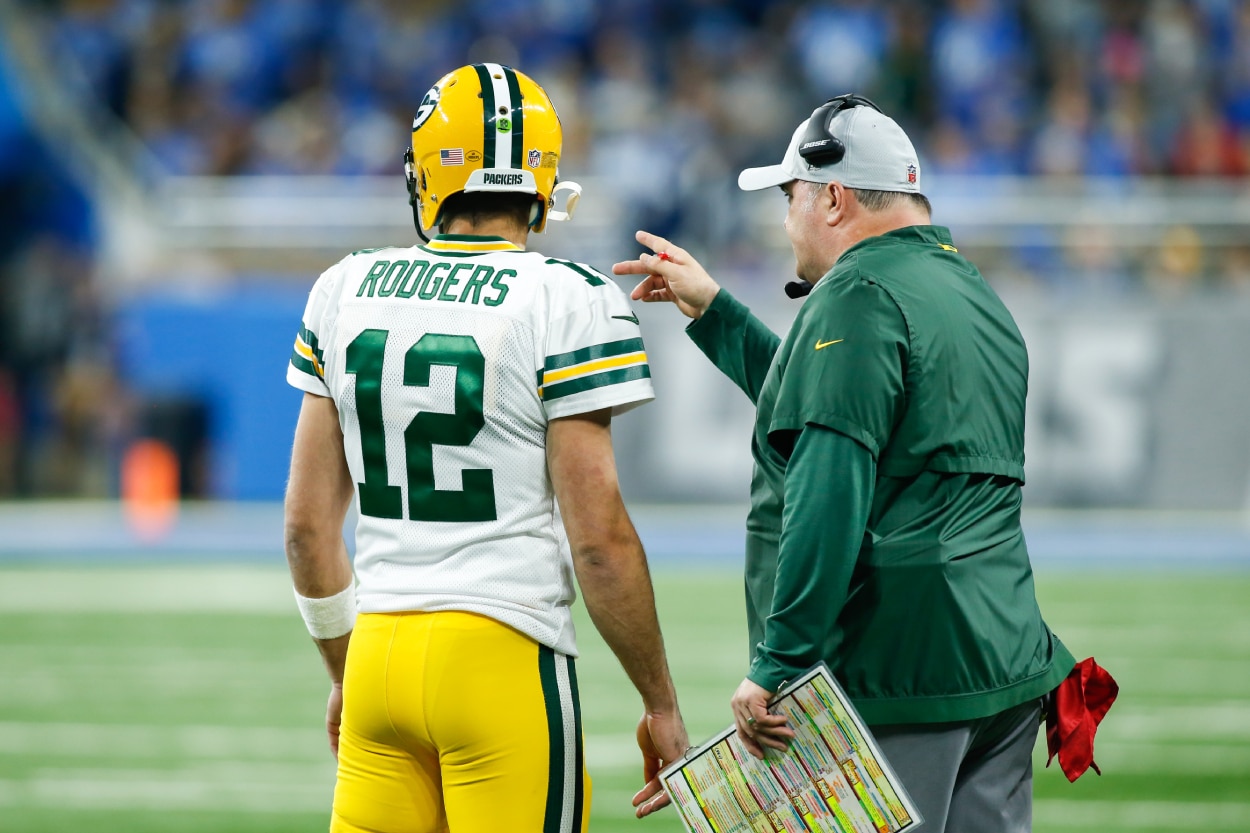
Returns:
<point x="410" y="180"/>
<point x="416" y="222"/>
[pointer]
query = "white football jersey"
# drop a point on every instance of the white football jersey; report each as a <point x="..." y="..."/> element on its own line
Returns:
<point x="446" y="361"/>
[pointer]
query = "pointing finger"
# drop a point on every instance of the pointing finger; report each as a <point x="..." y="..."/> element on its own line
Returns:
<point x="629" y="267"/>
<point x="654" y="242"/>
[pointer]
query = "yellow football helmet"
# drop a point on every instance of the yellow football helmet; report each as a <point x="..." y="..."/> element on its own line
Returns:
<point x="486" y="127"/>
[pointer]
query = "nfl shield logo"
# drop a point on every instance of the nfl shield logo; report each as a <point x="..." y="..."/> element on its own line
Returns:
<point x="911" y="173"/>
<point x="533" y="158"/>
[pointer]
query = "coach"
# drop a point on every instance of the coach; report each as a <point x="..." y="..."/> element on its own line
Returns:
<point x="884" y="532"/>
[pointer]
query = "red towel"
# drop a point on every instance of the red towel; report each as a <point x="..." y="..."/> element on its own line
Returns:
<point x="1073" y="713"/>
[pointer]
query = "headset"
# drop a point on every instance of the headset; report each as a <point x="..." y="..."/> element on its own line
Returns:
<point x="819" y="146"/>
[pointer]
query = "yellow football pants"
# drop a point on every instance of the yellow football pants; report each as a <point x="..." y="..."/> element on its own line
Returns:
<point x="453" y="721"/>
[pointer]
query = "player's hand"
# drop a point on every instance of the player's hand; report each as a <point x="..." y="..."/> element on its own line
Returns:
<point x="757" y="728"/>
<point x="334" y="716"/>
<point x="671" y="275"/>
<point x="662" y="739"/>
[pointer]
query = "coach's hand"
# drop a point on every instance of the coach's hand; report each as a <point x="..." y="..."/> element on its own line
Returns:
<point x="757" y="728"/>
<point x="672" y="275"/>
<point x="662" y="739"/>
<point x="334" y="716"/>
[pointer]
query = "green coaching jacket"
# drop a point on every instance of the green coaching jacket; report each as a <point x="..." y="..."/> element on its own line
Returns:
<point x="884" y="533"/>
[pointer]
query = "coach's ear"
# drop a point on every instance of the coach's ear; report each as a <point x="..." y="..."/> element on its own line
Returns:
<point x="834" y="198"/>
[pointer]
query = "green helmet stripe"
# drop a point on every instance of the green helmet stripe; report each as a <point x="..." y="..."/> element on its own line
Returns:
<point x="518" y="119"/>
<point x="488" y="116"/>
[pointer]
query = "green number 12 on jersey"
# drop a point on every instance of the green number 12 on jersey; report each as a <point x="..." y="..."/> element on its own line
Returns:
<point x="378" y="498"/>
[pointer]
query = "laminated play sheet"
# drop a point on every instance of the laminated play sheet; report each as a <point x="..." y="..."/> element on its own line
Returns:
<point x="832" y="778"/>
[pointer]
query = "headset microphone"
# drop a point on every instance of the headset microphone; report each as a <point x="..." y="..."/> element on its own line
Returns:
<point x="797" y="289"/>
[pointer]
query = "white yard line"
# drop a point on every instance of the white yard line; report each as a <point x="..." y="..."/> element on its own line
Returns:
<point x="190" y="589"/>
<point x="1143" y="815"/>
<point x="236" y="787"/>
<point x="129" y="742"/>
<point x="1220" y="723"/>
<point x="272" y="769"/>
<point x="615" y="752"/>
<point x="1153" y="758"/>
<point x="1225" y="721"/>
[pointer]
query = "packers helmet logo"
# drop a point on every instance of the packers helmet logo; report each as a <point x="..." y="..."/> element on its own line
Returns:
<point x="427" y="107"/>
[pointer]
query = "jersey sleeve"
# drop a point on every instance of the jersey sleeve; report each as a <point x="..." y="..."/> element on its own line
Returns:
<point x="822" y="529"/>
<point x="739" y="344"/>
<point x="595" y="357"/>
<point x="846" y="369"/>
<point x="306" y="369"/>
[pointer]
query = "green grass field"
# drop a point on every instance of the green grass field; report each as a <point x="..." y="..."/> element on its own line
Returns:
<point x="190" y="699"/>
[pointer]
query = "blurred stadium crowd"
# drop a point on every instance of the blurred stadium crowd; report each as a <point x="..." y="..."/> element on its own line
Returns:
<point x="660" y="97"/>
<point x="1047" y="87"/>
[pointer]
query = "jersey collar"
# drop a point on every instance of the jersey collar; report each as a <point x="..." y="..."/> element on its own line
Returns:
<point x="469" y="244"/>
<point x="939" y="236"/>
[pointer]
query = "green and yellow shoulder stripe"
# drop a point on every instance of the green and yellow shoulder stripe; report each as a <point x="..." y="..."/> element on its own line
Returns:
<point x="307" y="356"/>
<point x="599" y="365"/>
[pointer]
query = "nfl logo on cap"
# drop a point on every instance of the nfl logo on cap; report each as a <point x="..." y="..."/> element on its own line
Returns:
<point x="911" y="173"/>
<point x="534" y="157"/>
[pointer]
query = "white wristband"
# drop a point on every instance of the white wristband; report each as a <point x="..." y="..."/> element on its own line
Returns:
<point x="330" y="617"/>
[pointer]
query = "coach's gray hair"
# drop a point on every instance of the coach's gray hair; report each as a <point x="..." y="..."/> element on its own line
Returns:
<point x="881" y="200"/>
<point x="813" y="193"/>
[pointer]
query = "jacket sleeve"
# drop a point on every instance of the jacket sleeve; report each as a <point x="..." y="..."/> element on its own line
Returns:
<point x="739" y="344"/>
<point x="828" y="491"/>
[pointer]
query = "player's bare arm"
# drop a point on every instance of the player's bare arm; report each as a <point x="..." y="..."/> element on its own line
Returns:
<point x="318" y="495"/>
<point x="672" y="275"/>
<point x="612" y="572"/>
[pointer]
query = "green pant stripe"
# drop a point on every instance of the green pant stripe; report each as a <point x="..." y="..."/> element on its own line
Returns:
<point x="579" y="785"/>
<point x="488" y="116"/>
<point x="555" y="739"/>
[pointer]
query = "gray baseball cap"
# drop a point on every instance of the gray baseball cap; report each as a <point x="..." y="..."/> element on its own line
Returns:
<point x="878" y="157"/>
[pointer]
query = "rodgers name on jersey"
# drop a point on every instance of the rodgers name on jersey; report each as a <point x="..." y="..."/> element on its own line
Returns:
<point x="437" y="281"/>
<point x="446" y="362"/>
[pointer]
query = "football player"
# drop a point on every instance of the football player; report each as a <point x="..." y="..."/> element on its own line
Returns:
<point x="462" y="392"/>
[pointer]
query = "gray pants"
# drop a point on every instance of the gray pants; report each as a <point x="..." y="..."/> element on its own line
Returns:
<point x="968" y="777"/>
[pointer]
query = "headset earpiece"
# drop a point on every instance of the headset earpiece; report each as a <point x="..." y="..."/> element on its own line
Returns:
<point x="819" y="146"/>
